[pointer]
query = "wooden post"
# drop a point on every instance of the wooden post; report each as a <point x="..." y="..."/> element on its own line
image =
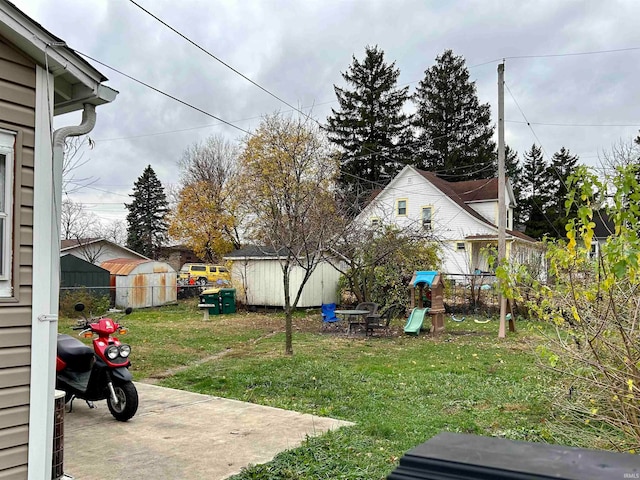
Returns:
<point x="502" y="212"/>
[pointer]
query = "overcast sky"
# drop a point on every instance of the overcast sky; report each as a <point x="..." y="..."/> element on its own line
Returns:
<point x="298" y="48"/>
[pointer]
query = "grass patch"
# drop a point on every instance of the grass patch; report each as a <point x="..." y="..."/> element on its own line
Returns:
<point x="173" y="336"/>
<point x="400" y="391"/>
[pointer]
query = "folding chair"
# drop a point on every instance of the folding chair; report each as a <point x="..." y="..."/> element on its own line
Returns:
<point x="328" y="312"/>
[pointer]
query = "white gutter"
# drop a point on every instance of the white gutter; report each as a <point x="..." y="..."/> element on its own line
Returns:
<point x="47" y="200"/>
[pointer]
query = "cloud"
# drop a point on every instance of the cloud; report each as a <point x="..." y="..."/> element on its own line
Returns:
<point x="298" y="50"/>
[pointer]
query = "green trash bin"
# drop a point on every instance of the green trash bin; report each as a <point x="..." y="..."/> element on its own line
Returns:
<point x="211" y="297"/>
<point x="227" y="300"/>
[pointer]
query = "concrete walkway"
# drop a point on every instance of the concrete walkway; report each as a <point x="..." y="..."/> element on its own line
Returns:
<point x="181" y="435"/>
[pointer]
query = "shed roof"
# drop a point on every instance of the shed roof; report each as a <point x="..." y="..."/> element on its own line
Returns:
<point x="122" y="266"/>
<point x="255" y="251"/>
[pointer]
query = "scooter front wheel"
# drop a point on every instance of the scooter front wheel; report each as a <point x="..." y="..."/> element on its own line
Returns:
<point x="127" y="405"/>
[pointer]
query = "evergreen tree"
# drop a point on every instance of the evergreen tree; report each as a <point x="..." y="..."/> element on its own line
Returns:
<point x="514" y="173"/>
<point x="536" y="188"/>
<point x="563" y="164"/>
<point x="370" y="126"/>
<point x="147" y="227"/>
<point x="454" y="130"/>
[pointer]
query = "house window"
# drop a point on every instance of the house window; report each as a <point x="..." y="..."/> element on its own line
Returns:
<point x="460" y="245"/>
<point x="401" y="208"/>
<point x="6" y="211"/>
<point x="426" y="218"/>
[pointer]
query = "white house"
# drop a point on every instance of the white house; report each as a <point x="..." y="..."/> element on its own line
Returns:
<point x="97" y="250"/>
<point x="461" y="216"/>
<point x="39" y="77"/>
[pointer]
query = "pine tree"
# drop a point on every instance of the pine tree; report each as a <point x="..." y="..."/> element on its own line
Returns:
<point x="536" y="188"/>
<point x="147" y="227"/>
<point x="514" y="173"/>
<point x="563" y="164"/>
<point x="370" y="127"/>
<point x="454" y="130"/>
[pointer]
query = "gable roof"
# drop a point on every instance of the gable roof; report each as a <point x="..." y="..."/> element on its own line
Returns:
<point x="476" y="190"/>
<point x="470" y="191"/>
<point x="76" y="82"/>
<point x="73" y="243"/>
<point x="69" y="243"/>
<point x="461" y="193"/>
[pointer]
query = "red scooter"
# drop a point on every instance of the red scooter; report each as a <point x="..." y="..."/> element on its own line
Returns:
<point x="99" y="373"/>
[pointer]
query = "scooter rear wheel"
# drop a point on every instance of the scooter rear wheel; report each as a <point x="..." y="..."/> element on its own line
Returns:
<point x="127" y="405"/>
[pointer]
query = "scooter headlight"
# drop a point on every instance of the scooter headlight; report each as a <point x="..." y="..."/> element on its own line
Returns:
<point x="112" y="352"/>
<point x="125" y="350"/>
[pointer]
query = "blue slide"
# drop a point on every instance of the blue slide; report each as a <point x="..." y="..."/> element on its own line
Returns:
<point x="415" y="320"/>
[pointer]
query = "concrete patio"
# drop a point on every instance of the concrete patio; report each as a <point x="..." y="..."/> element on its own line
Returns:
<point x="181" y="435"/>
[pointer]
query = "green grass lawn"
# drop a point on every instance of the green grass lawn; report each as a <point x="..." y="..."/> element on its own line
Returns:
<point x="399" y="390"/>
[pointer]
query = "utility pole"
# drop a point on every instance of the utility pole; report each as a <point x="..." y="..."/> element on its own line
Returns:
<point x="502" y="211"/>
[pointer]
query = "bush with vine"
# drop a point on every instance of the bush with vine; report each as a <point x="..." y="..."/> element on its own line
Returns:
<point x="592" y="304"/>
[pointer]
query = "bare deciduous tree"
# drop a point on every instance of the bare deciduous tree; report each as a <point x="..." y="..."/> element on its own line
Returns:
<point x="289" y="179"/>
<point x="74" y="150"/>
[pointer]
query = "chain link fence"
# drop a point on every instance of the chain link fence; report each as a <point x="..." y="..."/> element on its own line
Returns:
<point x="471" y="294"/>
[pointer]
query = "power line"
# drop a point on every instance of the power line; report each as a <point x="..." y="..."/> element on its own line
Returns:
<point x="164" y="93"/>
<point x="574" y="54"/>
<point x="555" y="55"/>
<point x="544" y="214"/>
<point x="576" y="124"/>
<point x="217" y="59"/>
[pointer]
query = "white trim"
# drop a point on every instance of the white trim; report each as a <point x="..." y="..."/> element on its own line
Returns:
<point x="46" y="261"/>
<point x="7" y="149"/>
<point x="35" y="39"/>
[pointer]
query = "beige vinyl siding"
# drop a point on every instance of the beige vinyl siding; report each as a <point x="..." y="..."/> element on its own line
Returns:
<point x="17" y="114"/>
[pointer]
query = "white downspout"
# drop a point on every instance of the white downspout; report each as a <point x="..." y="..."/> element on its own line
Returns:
<point x="47" y="200"/>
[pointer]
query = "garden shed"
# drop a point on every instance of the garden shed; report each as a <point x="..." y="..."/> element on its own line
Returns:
<point x="141" y="283"/>
<point x="76" y="272"/>
<point x="257" y="275"/>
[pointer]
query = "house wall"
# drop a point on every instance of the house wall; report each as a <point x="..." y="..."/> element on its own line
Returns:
<point x="488" y="210"/>
<point x="178" y="257"/>
<point x="450" y="224"/>
<point x="449" y="221"/>
<point x="99" y="252"/>
<point x="17" y="113"/>
<point x="259" y="282"/>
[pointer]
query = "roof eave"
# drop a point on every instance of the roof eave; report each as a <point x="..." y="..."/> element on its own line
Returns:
<point x="76" y="82"/>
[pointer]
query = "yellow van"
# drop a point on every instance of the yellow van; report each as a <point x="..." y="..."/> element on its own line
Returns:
<point x="203" y="274"/>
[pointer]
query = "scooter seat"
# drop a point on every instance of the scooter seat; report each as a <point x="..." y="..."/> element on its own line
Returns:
<point x="75" y="354"/>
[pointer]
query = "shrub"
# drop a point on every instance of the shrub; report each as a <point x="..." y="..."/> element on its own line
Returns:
<point x="382" y="266"/>
<point x="592" y="304"/>
<point x="94" y="302"/>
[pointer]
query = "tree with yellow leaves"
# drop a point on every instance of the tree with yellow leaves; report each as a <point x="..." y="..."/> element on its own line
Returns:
<point x="288" y="177"/>
<point x="207" y="214"/>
